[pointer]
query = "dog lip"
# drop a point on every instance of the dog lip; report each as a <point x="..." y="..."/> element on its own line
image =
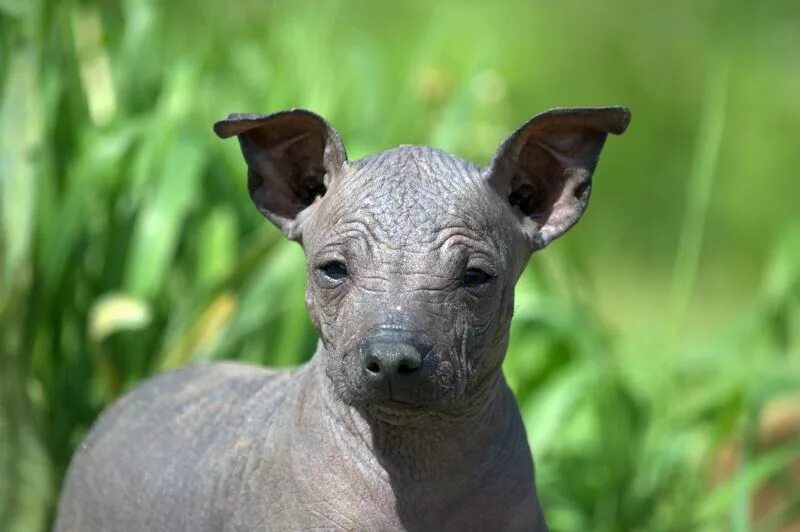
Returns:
<point x="398" y="413"/>
<point x="403" y="405"/>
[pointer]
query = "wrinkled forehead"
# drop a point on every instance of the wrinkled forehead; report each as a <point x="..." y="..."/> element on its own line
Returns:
<point x="411" y="193"/>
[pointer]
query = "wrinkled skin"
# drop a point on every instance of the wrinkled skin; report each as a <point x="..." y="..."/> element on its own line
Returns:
<point x="402" y="420"/>
<point x="407" y="240"/>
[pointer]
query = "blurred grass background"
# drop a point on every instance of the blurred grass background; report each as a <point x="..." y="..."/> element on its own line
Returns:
<point x="656" y="348"/>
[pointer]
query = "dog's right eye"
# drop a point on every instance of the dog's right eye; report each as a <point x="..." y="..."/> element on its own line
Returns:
<point x="334" y="270"/>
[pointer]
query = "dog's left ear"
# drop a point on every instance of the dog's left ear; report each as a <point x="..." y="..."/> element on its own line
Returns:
<point x="545" y="168"/>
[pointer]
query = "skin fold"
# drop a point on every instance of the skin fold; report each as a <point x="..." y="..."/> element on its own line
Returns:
<point x="402" y="420"/>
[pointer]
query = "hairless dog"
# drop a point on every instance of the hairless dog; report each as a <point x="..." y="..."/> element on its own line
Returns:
<point x="402" y="420"/>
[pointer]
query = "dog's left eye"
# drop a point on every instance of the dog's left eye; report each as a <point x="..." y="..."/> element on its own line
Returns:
<point x="474" y="277"/>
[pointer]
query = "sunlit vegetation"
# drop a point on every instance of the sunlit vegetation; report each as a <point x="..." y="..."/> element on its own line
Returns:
<point x="654" y="348"/>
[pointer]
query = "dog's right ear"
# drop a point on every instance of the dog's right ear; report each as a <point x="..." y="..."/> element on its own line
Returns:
<point x="291" y="156"/>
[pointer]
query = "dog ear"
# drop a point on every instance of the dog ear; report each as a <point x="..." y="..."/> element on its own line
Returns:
<point x="545" y="167"/>
<point x="291" y="158"/>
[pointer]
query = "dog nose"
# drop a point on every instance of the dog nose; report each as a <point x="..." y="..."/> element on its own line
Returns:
<point x="389" y="359"/>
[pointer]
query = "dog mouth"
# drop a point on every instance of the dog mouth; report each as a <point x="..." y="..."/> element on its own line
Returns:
<point x="396" y="412"/>
<point x="419" y="398"/>
<point x="429" y="388"/>
<point x="400" y="404"/>
<point x="406" y="403"/>
<point x="434" y="386"/>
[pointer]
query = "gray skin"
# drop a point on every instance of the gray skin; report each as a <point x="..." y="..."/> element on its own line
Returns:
<point x="402" y="420"/>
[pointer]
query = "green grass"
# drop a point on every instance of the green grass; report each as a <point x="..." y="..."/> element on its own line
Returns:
<point x="652" y="336"/>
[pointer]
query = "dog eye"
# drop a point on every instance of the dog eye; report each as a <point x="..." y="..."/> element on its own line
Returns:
<point x="474" y="277"/>
<point x="334" y="270"/>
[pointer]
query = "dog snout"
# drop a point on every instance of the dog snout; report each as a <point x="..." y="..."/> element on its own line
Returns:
<point x="392" y="357"/>
<point x="383" y="359"/>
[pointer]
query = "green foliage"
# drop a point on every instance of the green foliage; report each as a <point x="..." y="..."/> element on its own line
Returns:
<point x="642" y="343"/>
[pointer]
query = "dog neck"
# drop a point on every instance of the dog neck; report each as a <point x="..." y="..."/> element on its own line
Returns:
<point x="460" y="443"/>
